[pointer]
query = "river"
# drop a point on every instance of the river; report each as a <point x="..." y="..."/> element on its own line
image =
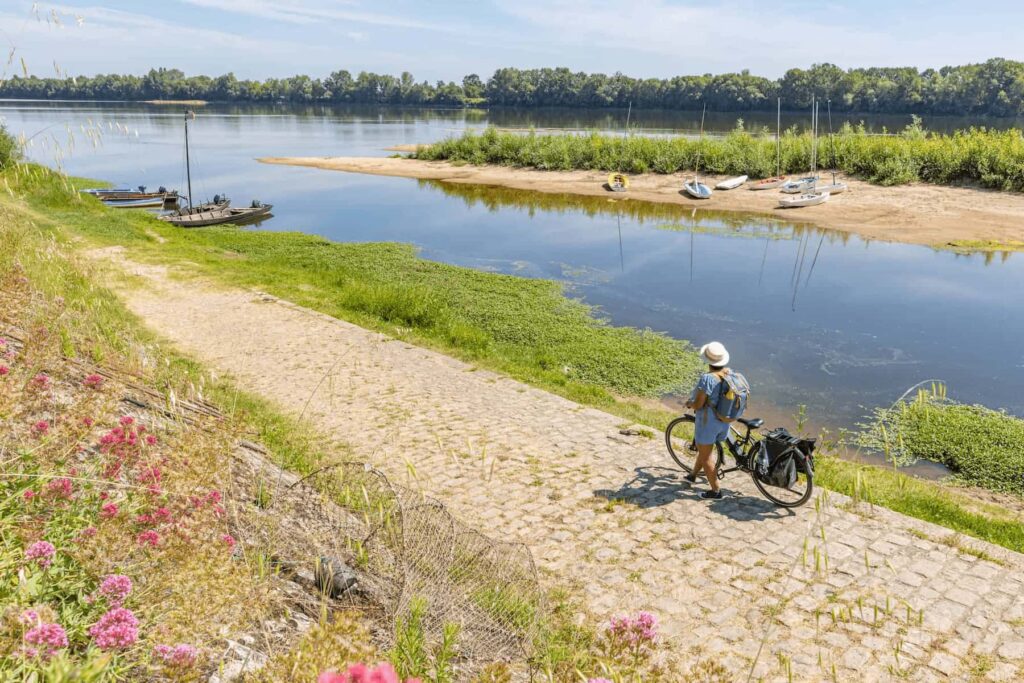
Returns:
<point x="812" y="317"/>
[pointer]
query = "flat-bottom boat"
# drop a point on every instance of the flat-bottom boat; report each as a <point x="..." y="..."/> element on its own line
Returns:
<point x="769" y="183"/>
<point x="731" y="183"/>
<point x="207" y="215"/>
<point x="697" y="190"/>
<point x="809" y="199"/>
<point x="617" y="182"/>
<point x="145" y="203"/>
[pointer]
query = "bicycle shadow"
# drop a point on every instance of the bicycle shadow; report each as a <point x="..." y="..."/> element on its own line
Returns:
<point x="653" y="487"/>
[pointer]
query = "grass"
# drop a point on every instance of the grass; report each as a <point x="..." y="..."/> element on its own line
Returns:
<point x="983" y="447"/>
<point x="989" y="158"/>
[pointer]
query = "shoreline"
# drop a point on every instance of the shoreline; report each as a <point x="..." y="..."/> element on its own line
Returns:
<point x="937" y="216"/>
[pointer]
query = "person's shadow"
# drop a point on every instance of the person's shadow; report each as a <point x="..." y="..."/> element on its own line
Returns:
<point x="653" y="487"/>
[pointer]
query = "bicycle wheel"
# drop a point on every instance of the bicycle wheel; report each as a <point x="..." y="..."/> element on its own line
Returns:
<point x="793" y="497"/>
<point x="678" y="437"/>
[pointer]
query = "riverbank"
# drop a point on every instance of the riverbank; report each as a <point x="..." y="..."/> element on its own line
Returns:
<point x="918" y="213"/>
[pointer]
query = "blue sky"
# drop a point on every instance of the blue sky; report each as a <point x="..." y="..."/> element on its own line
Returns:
<point x="446" y="40"/>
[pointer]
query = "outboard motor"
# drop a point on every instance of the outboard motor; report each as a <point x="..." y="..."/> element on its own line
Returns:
<point x="216" y="199"/>
<point x="142" y="188"/>
<point x="256" y="204"/>
<point x="162" y="189"/>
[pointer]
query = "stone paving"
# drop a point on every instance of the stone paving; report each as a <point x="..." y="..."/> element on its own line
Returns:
<point x="833" y="591"/>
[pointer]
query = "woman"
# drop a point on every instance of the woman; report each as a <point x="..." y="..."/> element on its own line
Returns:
<point x="708" y="429"/>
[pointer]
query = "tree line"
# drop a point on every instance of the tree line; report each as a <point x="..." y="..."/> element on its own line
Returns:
<point x="995" y="88"/>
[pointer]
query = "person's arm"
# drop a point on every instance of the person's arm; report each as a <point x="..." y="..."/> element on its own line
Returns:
<point x="699" y="400"/>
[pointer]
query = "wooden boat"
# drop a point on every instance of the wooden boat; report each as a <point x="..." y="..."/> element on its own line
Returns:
<point x="809" y="199"/>
<point x="156" y="202"/>
<point x="697" y="189"/>
<point x="769" y="183"/>
<point x="217" y="215"/>
<point x="140" y="193"/>
<point x="731" y="183"/>
<point x="617" y="182"/>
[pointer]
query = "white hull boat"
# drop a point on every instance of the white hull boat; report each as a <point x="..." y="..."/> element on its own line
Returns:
<point x="832" y="188"/>
<point x="731" y="183"/>
<point x="809" y="199"/>
<point x="697" y="190"/>
<point x="799" y="186"/>
<point x="769" y="183"/>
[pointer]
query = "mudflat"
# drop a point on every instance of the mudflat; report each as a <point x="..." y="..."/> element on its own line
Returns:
<point x="917" y="213"/>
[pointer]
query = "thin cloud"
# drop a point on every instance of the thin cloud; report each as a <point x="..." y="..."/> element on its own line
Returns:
<point x="303" y="13"/>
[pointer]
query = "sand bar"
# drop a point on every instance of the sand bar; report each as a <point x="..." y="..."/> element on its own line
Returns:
<point x="917" y="213"/>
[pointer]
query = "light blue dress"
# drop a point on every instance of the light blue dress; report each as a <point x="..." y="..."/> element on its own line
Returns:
<point x="708" y="428"/>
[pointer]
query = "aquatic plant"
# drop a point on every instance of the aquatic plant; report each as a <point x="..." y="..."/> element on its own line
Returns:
<point x="988" y="158"/>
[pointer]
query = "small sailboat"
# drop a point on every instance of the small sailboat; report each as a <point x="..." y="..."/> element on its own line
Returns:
<point x="808" y="199"/>
<point x="617" y="182"/>
<point x="807" y="183"/>
<point x="694" y="187"/>
<point x="212" y="213"/>
<point x="731" y="183"/>
<point x="835" y="187"/>
<point x="778" y="180"/>
<point x="799" y="185"/>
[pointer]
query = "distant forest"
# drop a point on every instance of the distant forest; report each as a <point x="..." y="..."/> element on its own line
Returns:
<point x="994" y="88"/>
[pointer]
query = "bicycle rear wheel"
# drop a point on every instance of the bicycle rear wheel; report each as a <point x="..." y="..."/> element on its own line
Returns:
<point x="678" y="437"/>
<point x="792" y="497"/>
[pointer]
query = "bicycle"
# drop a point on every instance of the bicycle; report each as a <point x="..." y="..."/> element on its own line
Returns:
<point x="744" y="449"/>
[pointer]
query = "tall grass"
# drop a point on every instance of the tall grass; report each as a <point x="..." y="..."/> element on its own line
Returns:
<point x="9" y="151"/>
<point x="989" y="158"/>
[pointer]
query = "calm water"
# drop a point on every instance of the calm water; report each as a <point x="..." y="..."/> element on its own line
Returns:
<point x="811" y="317"/>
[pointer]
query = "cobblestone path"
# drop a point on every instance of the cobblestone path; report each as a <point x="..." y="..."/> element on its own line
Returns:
<point x="834" y="591"/>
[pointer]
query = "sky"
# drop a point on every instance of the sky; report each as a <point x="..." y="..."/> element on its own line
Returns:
<point x="437" y="39"/>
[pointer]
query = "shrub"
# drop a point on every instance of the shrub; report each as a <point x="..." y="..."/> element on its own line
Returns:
<point x="9" y="150"/>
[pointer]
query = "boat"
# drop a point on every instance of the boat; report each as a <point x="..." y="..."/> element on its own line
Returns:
<point x="807" y="199"/>
<point x="156" y="202"/>
<point x="809" y="183"/>
<point x="217" y="212"/>
<point x="695" y="188"/>
<point x="835" y="187"/>
<point x="799" y="185"/>
<point x="617" y="182"/>
<point x="778" y="180"/>
<point x="832" y="188"/>
<point x="140" y="193"/>
<point x="731" y="183"/>
<point x="203" y="216"/>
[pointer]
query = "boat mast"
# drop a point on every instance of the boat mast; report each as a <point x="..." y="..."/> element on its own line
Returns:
<point x="778" y="142"/>
<point x="700" y="143"/>
<point x="831" y="142"/>
<point x="188" y="167"/>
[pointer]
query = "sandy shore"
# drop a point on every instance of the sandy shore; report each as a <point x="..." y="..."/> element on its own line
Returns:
<point x="918" y="213"/>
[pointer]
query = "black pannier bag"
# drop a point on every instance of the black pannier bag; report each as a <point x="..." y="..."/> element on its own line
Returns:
<point x="783" y="457"/>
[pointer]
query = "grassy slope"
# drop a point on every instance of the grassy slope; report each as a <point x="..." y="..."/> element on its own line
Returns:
<point x="305" y="281"/>
<point x="992" y="159"/>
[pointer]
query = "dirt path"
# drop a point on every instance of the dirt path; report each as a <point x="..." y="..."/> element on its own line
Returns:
<point x="832" y="591"/>
<point x="918" y="214"/>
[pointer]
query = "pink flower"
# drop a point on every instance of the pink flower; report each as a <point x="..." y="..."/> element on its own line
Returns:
<point x="639" y="631"/>
<point x="127" y="420"/>
<point x="41" y="552"/>
<point x="360" y="673"/>
<point x="41" y="381"/>
<point x="59" y="488"/>
<point x="181" y="656"/>
<point x="87" y="532"/>
<point x="116" y="629"/>
<point x="109" y="510"/>
<point x="93" y="381"/>
<point x="150" y="538"/>
<point x="87" y="421"/>
<point x="115" y="588"/>
<point x="47" y="639"/>
<point x="29" y="617"/>
<point x="150" y="439"/>
<point x="229" y="541"/>
<point x="29" y="495"/>
<point x="214" y="496"/>
<point x="4" y="370"/>
<point x="41" y="428"/>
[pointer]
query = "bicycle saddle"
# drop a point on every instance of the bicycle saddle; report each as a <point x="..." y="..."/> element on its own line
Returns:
<point x="753" y="423"/>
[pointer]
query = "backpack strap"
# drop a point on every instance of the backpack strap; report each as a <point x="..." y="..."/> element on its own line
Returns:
<point x="722" y="385"/>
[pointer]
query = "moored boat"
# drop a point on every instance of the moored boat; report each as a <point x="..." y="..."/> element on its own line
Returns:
<point x="217" y="215"/>
<point x="832" y="188"/>
<point x="769" y="183"/>
<point x="697" y="189"/>
<point x="731" y="183"/>
<point x="140" y="193"/>
<point x="798" y="186"/>
<point x="618" y="182"/>
<point x="145" y="203"/>
<point x="808" y="199"/>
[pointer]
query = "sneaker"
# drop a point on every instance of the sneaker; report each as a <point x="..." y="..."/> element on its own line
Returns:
<point x="692" y="478"/>
<point x="711" y="495"/>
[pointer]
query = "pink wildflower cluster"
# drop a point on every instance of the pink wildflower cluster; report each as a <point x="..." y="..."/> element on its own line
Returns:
<point x="360" y="673"/>
<point x="149" y="537"/>
<point x="634" y="632"/>
<point x="41" y="552"/>
<point x="116" y="629"/>
<point x="41" y="428"/>
<point x="43" y="640"/>
<point x="181" y="656"/>
<point x="4" y="370"/>
<point x="93" y="381"/>
<point x="115" y="589"/>
<point x="60" y="488"/>
<point x="109" y="510"/>
<point x="213" y="499"/>
<point x="41" y="381"/>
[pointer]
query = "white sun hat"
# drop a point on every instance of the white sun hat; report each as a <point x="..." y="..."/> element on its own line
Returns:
<point x="715" y="354"/>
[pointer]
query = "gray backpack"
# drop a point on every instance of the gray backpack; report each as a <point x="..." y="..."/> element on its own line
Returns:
<point x="733" y="392"/>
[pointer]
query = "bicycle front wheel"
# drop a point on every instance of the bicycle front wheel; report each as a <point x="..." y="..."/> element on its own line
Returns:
<point x="794" y="496"/>
<point x="678" y="437"/>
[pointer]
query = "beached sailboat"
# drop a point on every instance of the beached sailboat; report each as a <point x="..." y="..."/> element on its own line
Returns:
<point x="808" y="199"/>
<point x="694" y="187"/>
<point x="807" y="183"/>
<point x="835" y="187"/>
<point x="117" y="194"/>
<point x="779" y="180"/>
<point x="617" y="182"/>
<point x="144" y="203"/>
<point x="217" y="212"/>
<point x="731" y="183"/>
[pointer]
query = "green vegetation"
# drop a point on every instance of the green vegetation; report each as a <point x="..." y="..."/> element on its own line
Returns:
<point x="995" y="88"/>
<point x="983" y="447"/>
<point x="989" y="158"/>
<point x="9" y="151"/>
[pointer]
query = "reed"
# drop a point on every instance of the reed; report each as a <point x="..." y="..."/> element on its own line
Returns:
<point x="978" y="156"/>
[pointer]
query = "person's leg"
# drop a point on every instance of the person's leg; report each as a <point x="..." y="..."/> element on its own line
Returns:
<point x="698" y="464"/>
<point x="705" y="454"/>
